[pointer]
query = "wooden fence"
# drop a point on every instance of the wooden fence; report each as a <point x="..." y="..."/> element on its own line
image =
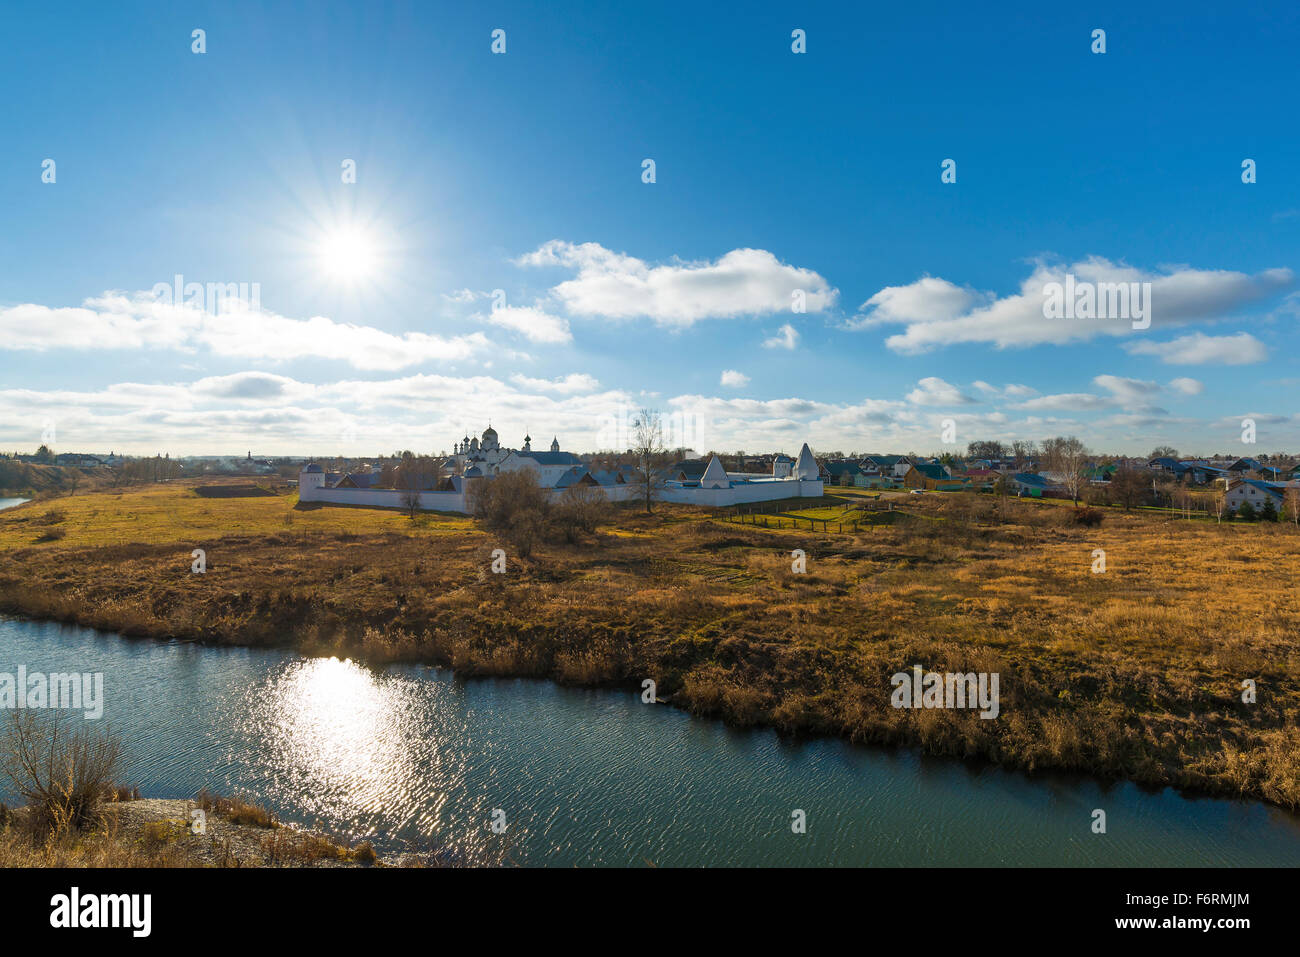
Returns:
<point x="772" y="516"/>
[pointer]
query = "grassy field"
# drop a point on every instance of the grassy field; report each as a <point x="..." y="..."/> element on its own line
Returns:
<point x="1135" y="672"/>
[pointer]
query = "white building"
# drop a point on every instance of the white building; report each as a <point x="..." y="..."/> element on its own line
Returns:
<point x="1256" y="492"/>
<point x="549" y="466"/>
<point x="475" y="460"/>
<point x="484" y="455"/>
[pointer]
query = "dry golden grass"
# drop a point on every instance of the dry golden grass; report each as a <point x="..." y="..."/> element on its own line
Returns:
<point x="157" y="833"/>
<point x="237" y="810"/>
<point x="1134" y="673"/>
<point x="105" y="847"/>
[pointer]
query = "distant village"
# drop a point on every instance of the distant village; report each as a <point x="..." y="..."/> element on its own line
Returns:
<point x="1222" y="482"/>
<point x="1266" y="485"/>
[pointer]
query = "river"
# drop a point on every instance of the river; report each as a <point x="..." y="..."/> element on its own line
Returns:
<point x="415" y="757"/>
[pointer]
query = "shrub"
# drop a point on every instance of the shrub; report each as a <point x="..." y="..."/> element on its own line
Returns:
<point x="581" y="509"/>
<point x="1088" y="517"/>
<point x="515" y="505"/>
<point x="156" y="834"/>
<point x="285" y="845"/>
<point x="62" y="772"/>
<point x="1246" y="512"/>
<point x="116" y="793"/>
<point x="236" y="810"/>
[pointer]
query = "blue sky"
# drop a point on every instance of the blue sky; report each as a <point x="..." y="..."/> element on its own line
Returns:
<point x="522" y="172"/>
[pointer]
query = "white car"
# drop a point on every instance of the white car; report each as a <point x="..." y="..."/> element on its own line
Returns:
<point x="917" y="491"/>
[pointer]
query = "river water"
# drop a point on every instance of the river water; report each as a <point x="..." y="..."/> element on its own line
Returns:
<point x="417" y="758"/>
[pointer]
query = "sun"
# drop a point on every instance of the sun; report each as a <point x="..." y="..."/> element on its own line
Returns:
<point x="347" y="254"/>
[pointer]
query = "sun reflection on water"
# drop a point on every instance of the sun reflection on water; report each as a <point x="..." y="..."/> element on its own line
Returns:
<point x="359" y="750"/>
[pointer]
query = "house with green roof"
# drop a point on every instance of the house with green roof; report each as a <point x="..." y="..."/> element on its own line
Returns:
<point x="926" y="475"/>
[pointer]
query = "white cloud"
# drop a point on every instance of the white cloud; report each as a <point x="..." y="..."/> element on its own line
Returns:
<point x="463" y="295"/>
<point x="617" y="286"/>
<point x="253" y="386"/>
<point x="935" y="391"/>
<point x="938" y="313"/>
<point x="787" y="337"/>
<point x="1124" y="393"/>
<point x="1068" y="402"/>
<point x="534" y="324"/>
<point x="1187" y="386"/>
<point x="1199" y="349"/>
<point x="279" y="415"/>
<point x="1127" y="390"/>
<point x="569" y="384"/>
<point x="424" y="412"/>
<point x="733" y="379"/>
<point x="116" y="321"/>
<point x="1011" y="391"/>
<point x="926" y="300"/>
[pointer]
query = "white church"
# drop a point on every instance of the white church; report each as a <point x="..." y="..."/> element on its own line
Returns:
<point x="480" y="459"/>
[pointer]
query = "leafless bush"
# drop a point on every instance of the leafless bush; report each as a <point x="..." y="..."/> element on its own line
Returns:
<point x="60" y="765"/>
<point x="1088" y="517"/>
<point x="514" y="504"/>
<point x="581" y="509"/>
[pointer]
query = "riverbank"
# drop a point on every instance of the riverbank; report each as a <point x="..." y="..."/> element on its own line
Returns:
<point x="1132" y="673"/>
<point x="33" y="480"/>
<point x="153" y="832"/>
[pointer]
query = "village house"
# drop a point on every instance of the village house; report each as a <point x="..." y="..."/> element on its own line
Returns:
<point x="982" y="478"/>
<point x="926" y="475"/>
<point x="870" y="476"/>
<point x="1255" y="492"/>
<point x="1027" y="483"/>
<point x="1202" y="473"/>
<point x="1245" y="468"/>
<point x="840" y="472"/>
<point x="892" y="465"/>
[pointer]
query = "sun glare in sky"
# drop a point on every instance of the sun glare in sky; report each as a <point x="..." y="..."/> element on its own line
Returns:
<point x="348" y="254"/>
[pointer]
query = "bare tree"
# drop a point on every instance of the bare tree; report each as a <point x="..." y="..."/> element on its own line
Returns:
<point x="1293" y="504"/>
<point x="416" y="474"/>
<point x="1216" y="499"/>
<point x="1068" y="457"/>
<point x="1002" y="489"/>
<point x="986" y="449"/>
<point x="1024" y="452"/>
<point x="1128" y="487"/>
<point x="648" y="448"/>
